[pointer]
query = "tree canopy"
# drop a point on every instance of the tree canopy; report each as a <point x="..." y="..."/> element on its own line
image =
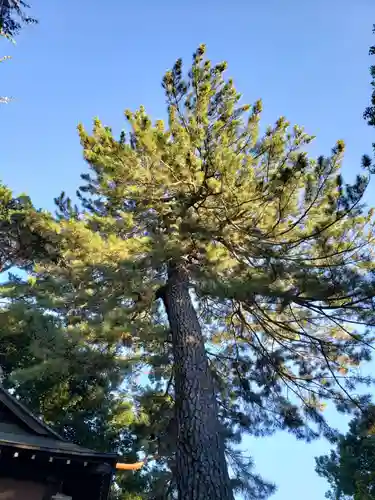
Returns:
<point x="350" y="468"/>
<point x="202" y="231"/>
<point x="21" y="242"/>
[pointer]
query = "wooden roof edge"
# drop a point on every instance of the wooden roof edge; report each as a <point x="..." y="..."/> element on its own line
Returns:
<point x="26" y="415"/>
<point x="41" y="428"/>
<point x="78" y="451"/>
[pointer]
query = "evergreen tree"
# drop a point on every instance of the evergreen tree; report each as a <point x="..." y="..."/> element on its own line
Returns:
<point x="233" y="266"/>
<point x="21" y="242"/>
<point x="68" y="383"/>
<point x="350" y="468"/>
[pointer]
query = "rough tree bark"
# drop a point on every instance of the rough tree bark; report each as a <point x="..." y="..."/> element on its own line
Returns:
<point x="201" y="468"/>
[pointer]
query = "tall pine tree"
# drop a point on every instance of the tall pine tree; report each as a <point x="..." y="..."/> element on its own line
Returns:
<point x="233" y="266"/>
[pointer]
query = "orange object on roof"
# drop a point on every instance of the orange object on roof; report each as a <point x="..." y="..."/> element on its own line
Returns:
<point x="136" y="466"/>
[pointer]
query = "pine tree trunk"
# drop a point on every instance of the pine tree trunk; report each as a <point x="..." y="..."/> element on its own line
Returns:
<point x="201" y="469"/>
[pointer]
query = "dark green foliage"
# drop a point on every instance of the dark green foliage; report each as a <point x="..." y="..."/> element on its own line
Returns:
<point x="21" y="242"/>
<point x="13" y="16"/>
<point x="350" y="468"/>
<point x="67" y="382"/>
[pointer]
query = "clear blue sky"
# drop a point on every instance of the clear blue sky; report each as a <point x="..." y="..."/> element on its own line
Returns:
<point x="306" y="59"/>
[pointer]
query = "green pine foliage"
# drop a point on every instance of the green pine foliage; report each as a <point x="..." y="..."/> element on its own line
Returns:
<point x="21" y="242"/>
<point x="13" y="15"/>
<point x="277" y="248"/>
<point x="66" y="381"/>
<point x="350" y="468"/>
